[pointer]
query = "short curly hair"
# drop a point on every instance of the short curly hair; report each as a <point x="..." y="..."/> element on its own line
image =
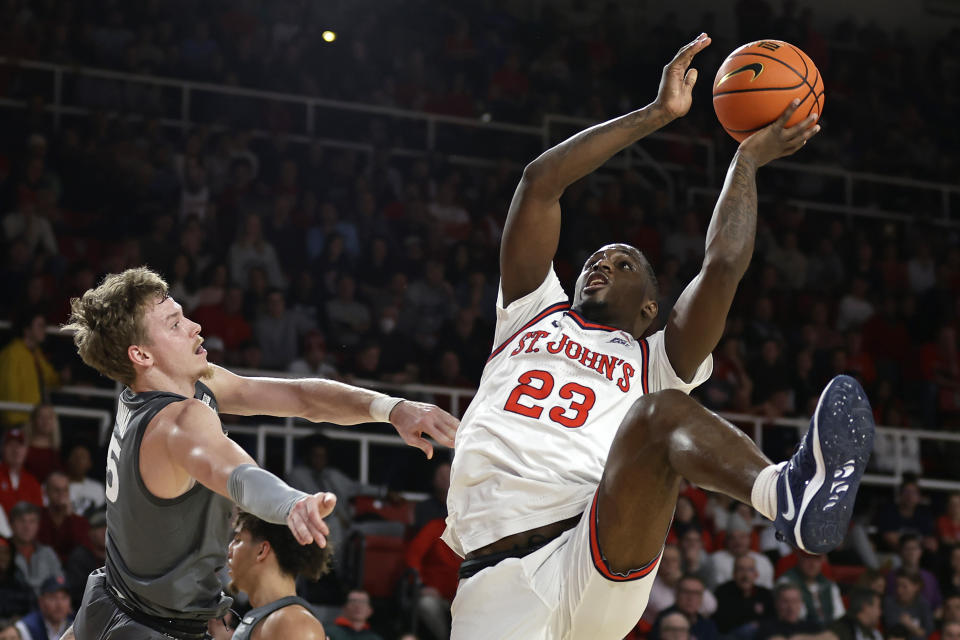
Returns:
<point x="108" y="319"/>
<point x="294" y="559"/>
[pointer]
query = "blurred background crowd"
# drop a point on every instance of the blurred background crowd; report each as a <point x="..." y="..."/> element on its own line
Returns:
<point x="359" y="263"/>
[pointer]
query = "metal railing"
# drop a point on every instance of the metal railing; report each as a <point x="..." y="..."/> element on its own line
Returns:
<point x="428" y="132"/>
<point x="102" y="416"/>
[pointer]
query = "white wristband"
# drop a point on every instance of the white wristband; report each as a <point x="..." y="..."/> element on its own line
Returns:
<point x="381" y="406"/>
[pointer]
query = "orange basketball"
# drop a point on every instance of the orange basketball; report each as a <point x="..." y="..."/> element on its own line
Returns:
<point x="758" y="80"/>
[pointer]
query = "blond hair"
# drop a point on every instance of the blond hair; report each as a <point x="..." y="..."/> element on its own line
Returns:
<point x="108" y="319"/>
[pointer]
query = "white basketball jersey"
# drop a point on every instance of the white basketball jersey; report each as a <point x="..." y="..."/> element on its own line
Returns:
<point x="532" y="446"/>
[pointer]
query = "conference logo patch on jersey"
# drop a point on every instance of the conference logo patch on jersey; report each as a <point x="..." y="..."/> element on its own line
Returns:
<point x="618" y="340"/>
<point x="206" y="399"/>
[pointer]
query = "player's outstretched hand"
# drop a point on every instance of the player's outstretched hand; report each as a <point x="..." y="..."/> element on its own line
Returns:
<point x="676" y="84"/>
<point x="778" y="140"/>
<point x="413" y="420"/>
<point x="306" y="518"/>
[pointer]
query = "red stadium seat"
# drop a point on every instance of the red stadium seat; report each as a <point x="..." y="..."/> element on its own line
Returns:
<point x="369" y="505"/>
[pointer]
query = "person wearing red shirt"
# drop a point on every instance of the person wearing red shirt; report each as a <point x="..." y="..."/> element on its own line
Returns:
<point x="60" y="528"/>
<point x="16" y="483"/>
<point x="948" y="525"/>
<point x="226" y="320"/>
<point x="43" y="440"/>
<point x="437" y="566"/>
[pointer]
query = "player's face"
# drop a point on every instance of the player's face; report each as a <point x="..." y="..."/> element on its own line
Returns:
<point x="614" y="287"/>
<point x="240" y="556"/>
<point x="175" y="341"/>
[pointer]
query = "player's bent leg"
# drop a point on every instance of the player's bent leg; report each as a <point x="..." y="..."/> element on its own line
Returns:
<point x="665" y="436"/>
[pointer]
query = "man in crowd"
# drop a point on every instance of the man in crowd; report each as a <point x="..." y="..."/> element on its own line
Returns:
<point x="821" y="596"/>
<point x="53" y="614"/>
<point x="738" y="545"/>
<point x="36" y="561"/>
<point x="352" y="623"/>
<point x="741" y="603"/>
<point x="689" y="601"/>
<point x="85" y="492"/>
<point x="789" y="622"/>
<point x="60" y="527"/>
<point x="862" y="620"/>
<point x="89" y="555"/>
<point x="16" y="483"/>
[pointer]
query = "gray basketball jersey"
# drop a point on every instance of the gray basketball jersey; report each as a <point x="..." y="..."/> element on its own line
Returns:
<point x="255" y="616"/>
<point x="162" y="554"/>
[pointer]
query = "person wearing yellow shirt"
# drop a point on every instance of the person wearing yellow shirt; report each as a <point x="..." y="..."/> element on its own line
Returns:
<point x="25" y="373"/>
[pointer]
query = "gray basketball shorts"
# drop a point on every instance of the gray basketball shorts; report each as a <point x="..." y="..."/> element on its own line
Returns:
<point x="100" y="618"/>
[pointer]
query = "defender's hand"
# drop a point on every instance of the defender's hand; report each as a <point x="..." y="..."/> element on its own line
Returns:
<point x="776" y="140"/>
<point x="414" y="419"/>
<point x="676" y="85"/>
<point x="306" y="518"/>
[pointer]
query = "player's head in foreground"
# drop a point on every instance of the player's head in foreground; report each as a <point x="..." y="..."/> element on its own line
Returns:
<point x="261" y="551"/>
<point x="131" y="330"/>
<point x="618" y="287"/>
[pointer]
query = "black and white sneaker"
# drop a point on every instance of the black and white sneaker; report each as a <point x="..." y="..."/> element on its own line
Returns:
<point x="817" y="487"/>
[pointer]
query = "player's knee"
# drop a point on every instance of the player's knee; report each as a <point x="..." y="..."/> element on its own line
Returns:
<point x="655" y="415"/>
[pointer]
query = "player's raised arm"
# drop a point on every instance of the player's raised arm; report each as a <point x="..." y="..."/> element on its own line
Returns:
<point x="697" y="322"/>
<point x="532" y="229"/>
<point x="320" y="400"/>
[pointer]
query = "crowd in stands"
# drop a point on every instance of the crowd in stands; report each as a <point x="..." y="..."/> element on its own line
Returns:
<point x="328" y="262"/>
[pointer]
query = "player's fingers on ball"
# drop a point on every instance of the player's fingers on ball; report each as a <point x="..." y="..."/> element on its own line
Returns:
<point x="788" y="112"/>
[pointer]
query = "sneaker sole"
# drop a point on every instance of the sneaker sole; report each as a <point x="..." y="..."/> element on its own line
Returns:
<point x="846" y="432"/>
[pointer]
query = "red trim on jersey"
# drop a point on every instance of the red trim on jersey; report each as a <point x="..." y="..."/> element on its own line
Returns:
<point x="600" y="561"/>
<point x="645" y="350"/>
<point x="560" y="306"/>
<point x="586" y="324"/>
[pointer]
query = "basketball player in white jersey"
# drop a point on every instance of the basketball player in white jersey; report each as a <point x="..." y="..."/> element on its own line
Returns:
<point x="569" y="458"/>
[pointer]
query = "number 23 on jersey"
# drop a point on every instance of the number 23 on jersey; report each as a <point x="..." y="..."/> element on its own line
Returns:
<point x="538" y="385"/>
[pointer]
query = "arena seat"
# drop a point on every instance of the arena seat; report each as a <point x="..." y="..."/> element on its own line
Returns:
<point x="375" y="557"/>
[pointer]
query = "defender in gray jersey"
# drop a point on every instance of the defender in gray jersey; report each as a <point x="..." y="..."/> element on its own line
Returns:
<point x="264" y="561"/>
<point x="173" y="474"/>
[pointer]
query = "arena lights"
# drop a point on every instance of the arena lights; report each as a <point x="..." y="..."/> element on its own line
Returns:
<point x="329" y="36"/>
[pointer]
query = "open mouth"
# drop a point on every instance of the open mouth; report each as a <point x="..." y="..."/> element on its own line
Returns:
<point x="595" y="282"/>
<point x="200" y="350"/>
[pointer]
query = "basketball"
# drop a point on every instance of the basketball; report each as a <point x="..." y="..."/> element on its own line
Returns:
<point x="758" y="80"/>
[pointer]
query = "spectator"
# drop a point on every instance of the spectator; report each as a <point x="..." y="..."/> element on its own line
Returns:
<point x="88" y="556"/>
<point x="347" y="318"/>
<point x="16" y="596"/>
<point x="951" y="615"/>
<point x="906" y="515"/>
<point x="948" y="525"/>
<point x="8" y="630"/>
<point x="85" y="492"/>
<point x="429" y="304"/>
<point x="53" y="615"/>
<point x="435" y="506"/>
<point x="352" y="623"/>
<point x="789" y="622"/>
<point x="738" y="544"/>
<point x="25" y="373"/>
<point x="663" y="593"/>
<point x="950" y="631"/>
<point x="314" y="362"/>
<point x="821" y="596"/>
<point x="278" y="332"/>
<point x="43" y="436"/>
<point x="675" y="626"/>
<point x="436" y="567"/>
<point x="36" y="561"/>
<point x="27" y="225"/>
<point x="741" y="604"/>
<point x="908" y="607"/>
<point x="314" y="475"/>
<point x="16" y="483"/>
<point x="60" y="528"/>
<point x="250" y="250"/>
<point x="950" y="577"/>
<point x="690" y="592"/>
<point x="921" y="270"/>
<point x="862" y="620"/>
<point x="226" y="320"/>
<point x="696" y="561"/>
<point x="910" y="554"/>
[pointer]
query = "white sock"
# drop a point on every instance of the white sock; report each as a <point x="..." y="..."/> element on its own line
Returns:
<point x="764" y="493"/>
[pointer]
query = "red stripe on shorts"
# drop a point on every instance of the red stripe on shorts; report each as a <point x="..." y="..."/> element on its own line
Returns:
<point x="600" y="561"/>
